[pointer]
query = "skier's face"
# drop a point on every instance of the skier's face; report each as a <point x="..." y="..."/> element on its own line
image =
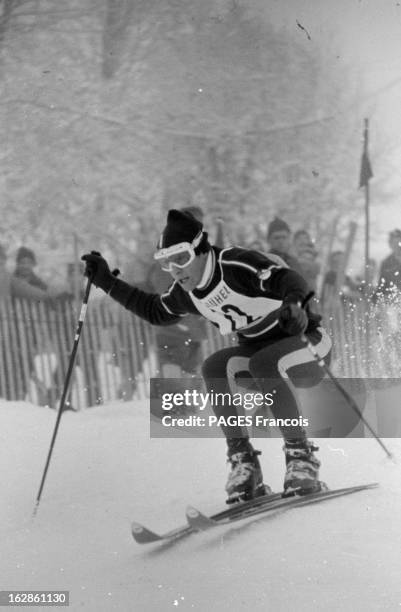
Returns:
<point x="190" y="276"/>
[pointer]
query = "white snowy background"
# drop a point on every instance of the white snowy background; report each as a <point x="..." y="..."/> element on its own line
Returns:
<point x="106" y="471"/>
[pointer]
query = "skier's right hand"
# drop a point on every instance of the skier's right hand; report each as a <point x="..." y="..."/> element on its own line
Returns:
<point x="97" y="269"/>
<point x="292" y="319"/>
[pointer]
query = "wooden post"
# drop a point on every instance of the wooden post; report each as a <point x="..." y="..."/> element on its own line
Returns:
<point x="75" y="273"/>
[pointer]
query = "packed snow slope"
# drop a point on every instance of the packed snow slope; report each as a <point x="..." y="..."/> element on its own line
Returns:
<point x="106" y="471"/>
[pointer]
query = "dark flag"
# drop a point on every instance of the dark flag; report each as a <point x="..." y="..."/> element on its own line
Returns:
<point x="366" y="168"/>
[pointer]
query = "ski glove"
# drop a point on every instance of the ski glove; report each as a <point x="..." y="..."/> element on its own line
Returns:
<point x="97" y="269"/>
<point x="292" y="319"/>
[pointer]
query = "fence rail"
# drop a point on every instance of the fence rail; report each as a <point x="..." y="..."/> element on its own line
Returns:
<point x="118" y="354"/>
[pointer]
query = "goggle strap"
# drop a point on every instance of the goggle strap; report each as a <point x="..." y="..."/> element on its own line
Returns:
<point x="176" y="248"/>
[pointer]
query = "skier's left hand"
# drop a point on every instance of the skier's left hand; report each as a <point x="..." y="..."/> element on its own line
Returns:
<point x="292" y="319"/>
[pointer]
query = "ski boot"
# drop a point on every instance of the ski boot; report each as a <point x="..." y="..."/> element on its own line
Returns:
<point x="245" y="480"/>
<point x="302" y="475"/>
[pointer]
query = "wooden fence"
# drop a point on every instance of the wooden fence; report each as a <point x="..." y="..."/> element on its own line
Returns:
<point x="366" y="337"/>
<point x="117" y="354"/>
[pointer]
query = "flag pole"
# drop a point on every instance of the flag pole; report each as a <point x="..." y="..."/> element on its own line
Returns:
<point x="365" y="175"/>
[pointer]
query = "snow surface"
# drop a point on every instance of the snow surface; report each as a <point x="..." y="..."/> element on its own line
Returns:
<point x="340" y="555"/>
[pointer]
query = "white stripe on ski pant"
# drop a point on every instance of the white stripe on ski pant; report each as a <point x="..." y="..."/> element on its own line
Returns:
<point x="304" y="355"/>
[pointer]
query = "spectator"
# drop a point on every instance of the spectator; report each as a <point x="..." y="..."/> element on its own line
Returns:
<point x="300" y="239"/>
<point x="24" y="277"/>
<point x="306" y="255"/>
<point x="17" y="286"/>
<point x="40" y="353"/>
<point x="279" y="240"/>
<point x="14" y="356"/>
<point x="329" y="288"/>
<point x="390" y="269"/>
<point x="25" y="263"/>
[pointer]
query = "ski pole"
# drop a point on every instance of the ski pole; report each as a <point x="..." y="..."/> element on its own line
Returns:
<point x="350" y="400"/>
<point x="65" y="389"/>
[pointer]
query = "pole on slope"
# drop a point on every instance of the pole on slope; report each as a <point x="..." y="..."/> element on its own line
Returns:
<point x="65" y="390"/>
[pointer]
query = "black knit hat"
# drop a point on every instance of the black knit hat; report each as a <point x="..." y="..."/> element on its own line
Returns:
<point x="277" y="225"/>
<point x="195" y="211"/>
<point x="181" y="227"/>
<point x="25" y="252"/>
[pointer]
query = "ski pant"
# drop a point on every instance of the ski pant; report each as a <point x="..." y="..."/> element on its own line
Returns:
<point x="274" y="366"/>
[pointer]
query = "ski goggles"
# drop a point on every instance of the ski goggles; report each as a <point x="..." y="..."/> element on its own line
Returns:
<point x="178" y="255"/>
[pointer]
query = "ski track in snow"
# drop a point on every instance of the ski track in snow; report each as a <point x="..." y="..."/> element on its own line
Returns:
<point x="105" y="472"/>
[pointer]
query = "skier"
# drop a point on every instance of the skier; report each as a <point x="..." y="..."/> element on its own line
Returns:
<point x="261" y="299"/>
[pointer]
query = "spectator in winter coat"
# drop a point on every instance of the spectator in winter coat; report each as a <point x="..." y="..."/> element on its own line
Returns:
<point x="25" y="284"/>
<point x="17" y="286"/>
<point x="279" y="240"/>
<point x="306" y="255"/>
<point x="14" y="376"/>
<point x="26" y="261"/>
<point x="300" y="239"/>
<point x="330" y="290"/>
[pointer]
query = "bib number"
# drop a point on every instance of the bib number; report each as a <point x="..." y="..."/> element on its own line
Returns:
<point x="236" y="316"/>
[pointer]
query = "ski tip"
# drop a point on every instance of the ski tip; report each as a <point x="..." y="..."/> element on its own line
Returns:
<point x="197" y="520"/>
<point x="142" y="534"/>
<point x="192" y="512"/>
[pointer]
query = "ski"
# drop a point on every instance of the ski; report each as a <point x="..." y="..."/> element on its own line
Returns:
<point x="143" y="535"/>
<point x="197" y="521"/>
<point x="201" y="522"/>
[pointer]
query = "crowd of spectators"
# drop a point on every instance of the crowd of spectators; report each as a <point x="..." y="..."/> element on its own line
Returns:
<point x="329" y="279"/>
